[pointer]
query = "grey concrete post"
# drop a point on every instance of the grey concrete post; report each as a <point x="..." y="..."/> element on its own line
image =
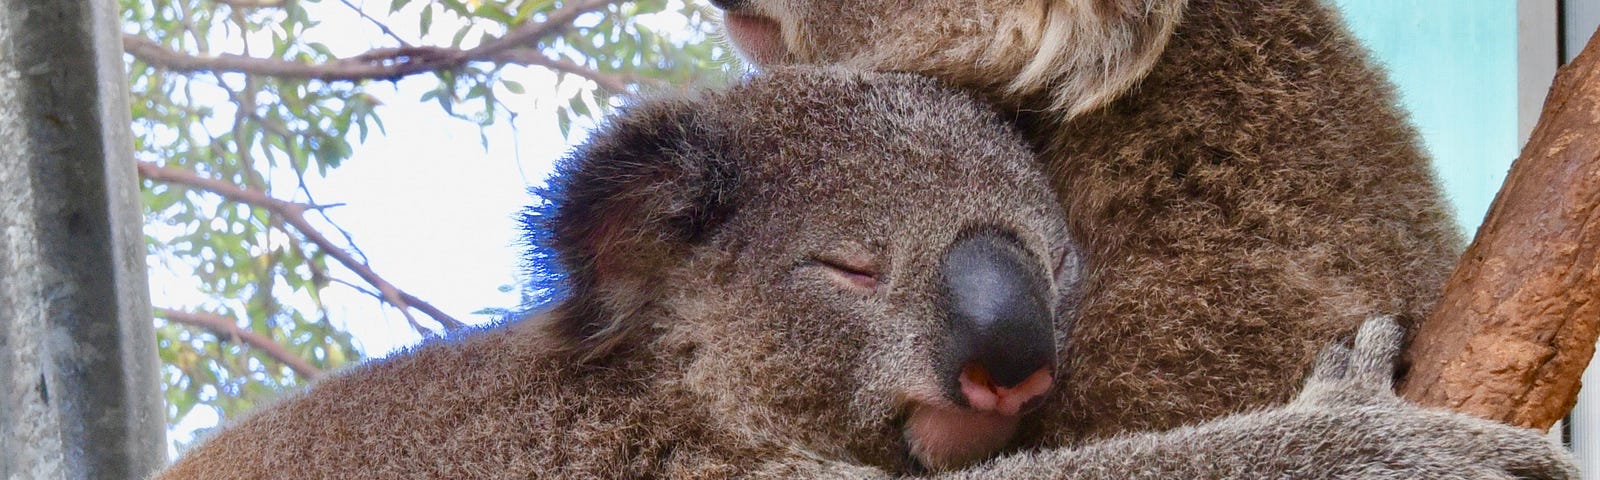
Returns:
<point x="79" y="394"/>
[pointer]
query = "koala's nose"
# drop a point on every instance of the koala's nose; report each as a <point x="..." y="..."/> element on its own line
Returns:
<point x="1002" y="337"/>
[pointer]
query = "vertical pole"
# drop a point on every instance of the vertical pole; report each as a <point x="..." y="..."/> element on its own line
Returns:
<point x="79" y="394"/>
<point x="1537" y="59"/>
<point x="1579" y="18"/>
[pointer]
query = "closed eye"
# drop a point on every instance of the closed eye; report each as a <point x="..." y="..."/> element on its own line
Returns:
<point x="855" y="276"/>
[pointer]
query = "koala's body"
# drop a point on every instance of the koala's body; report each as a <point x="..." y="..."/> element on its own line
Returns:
<point x="1241" y="180"/>
<point x="819" y="274"/>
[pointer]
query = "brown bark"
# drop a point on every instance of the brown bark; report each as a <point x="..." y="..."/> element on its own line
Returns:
<point x="226" y="328"/>
<point x="1518" y="320"/>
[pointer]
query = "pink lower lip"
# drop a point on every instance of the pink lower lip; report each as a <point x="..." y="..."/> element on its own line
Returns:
<point x="759" y="38"/>
<point x="943" y="437"/>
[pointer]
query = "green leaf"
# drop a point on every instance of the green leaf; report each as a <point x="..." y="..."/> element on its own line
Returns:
<point x="494" y="13"/>
<point x="426" y="21"/>
<point x="578" y="106"/>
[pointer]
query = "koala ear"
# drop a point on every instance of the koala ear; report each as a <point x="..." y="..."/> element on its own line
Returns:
<point x="623" y="208"/>
<point x="1089" y="53"/>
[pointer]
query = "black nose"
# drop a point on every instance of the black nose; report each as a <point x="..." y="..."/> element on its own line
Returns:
<point x="999" y="317"/>
<point x="729" y="4"/>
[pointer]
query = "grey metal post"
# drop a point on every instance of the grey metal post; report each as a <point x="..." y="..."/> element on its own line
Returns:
<point x="1579" y="18"/>
<point x="79" y="394"/>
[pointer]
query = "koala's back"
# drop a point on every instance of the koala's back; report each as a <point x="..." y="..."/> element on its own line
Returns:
<point x="493" y="404"/>
<point x="1254" y="198"/>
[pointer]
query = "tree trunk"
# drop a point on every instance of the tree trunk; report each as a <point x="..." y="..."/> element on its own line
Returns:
<point x="1519" y="317"/>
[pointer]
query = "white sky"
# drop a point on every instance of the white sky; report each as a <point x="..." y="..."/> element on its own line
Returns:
<point x="431" y="208"/>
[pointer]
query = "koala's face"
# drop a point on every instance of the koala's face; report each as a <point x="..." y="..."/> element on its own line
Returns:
<point x="866" y="266"/>
<point x="1081" y="53"/>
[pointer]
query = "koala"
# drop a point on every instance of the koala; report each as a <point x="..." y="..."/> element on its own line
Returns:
<point x="822" y="264"/>
<point x="1239" y="178"/>
<point x="817" y="274"/>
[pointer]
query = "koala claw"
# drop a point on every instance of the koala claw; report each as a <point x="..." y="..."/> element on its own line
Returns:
<point x="1353" y="386"/>
<point x="1360" y="373"/>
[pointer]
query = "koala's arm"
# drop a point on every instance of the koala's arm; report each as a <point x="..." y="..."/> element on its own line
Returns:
<point x="1346" y="423"/>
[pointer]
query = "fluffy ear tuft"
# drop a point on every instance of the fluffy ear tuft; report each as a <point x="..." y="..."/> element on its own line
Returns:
<point x="623" y="208"/>
<point x="1091" y="51"/>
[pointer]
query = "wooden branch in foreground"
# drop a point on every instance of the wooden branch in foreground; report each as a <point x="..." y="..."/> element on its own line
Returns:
<point x="294" y="214"/>
<point x="519" y="46"/>
<point x="226" y="328"/>
<point x="1519" y="317"/>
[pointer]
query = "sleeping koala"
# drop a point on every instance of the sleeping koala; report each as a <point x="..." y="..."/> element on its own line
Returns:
<point x="819" y="273"/>
<point x="1239" y="176"/>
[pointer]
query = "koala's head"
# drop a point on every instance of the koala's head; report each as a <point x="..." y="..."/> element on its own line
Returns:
<point x="1081" y="53"/>
<point x="868" y="266"/>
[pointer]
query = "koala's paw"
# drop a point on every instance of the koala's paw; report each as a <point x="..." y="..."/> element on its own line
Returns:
<point x="1360" y="374"/>
<point x="1354" y="387"/>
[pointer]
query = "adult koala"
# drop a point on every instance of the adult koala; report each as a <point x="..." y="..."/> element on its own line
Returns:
<point x="1242" y="183"/>
<point x="817" y="274"/>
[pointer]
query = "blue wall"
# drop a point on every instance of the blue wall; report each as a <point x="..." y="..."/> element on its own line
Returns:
<point x="1455" y="64"/>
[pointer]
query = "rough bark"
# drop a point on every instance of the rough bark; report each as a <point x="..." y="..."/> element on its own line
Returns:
<point x="1519" y="317"/>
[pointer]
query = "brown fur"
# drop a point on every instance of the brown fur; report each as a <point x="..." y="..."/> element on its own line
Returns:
<point x="703" y="339"/>
<point x="1253" y="195"/>
<point x="701" y="334"/>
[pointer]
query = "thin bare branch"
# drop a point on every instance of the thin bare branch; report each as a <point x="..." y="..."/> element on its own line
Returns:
<point x="383" y="27"/>
<point x="228" y="328"/>
<point x="387" y="63"/>
<point x="522" y="56"/>
<point x="294" y="214"/>
<point x="528" y="34"/>
<point x="357" y="288"/>
<point x="251" y="3"/>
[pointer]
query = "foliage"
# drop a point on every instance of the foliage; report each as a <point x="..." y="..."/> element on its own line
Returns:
<point x="211" y="101"/>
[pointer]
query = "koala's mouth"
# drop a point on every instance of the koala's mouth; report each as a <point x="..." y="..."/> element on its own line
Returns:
<point x="944" y="437"/>
<point x="759" y="38"/>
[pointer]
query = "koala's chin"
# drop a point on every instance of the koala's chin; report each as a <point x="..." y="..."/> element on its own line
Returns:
<point x="942" y="438"/>
<point x="758" y="38"/>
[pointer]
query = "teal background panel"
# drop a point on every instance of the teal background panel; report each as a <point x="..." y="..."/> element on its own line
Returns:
<point x="1455" y="66"/>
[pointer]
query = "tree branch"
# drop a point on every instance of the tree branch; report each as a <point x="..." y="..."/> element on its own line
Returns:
<point x="382" y="27"/>
<point x="392" y="63"/>
<point x="523" y="56"/>
<point x="225" y="327"/>
<point x="1519" y="317"/>
<point x="294" y="214"/>
<point x="251" y="3"/>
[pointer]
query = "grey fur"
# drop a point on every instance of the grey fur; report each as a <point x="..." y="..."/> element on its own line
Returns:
<point x="1243" y="185"/>
<point x="703" y="340"/>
